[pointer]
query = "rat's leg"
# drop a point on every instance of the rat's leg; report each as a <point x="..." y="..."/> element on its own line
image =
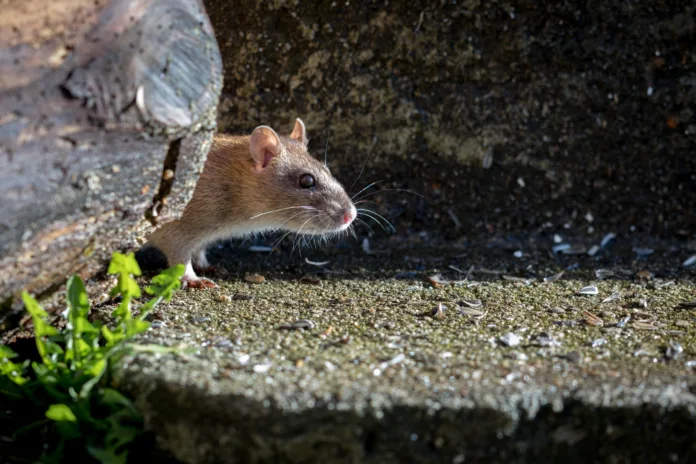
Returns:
<point x="178" y="247"/>
<point x="201" y="263"/>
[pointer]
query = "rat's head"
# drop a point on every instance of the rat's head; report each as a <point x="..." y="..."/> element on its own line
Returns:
<point x="297" y="192"/>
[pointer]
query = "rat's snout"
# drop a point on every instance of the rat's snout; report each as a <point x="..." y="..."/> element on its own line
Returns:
<point x="349" y="215"/>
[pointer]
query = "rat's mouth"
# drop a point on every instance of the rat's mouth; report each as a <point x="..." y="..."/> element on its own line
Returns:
<point x="326" y="223"/>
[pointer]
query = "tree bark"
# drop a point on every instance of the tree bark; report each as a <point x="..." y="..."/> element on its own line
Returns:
<point x="92" y="96"/>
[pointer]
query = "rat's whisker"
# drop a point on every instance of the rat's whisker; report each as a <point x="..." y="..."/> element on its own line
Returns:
<point x="326" y="147"/>
<point x="370" y="185"/>
<point x="380" y="216"/>
<point x="366" y="224"/>
<point x="369" y="153"/>
<point x="282" y="209"/>
<point x="299" y="231"/>
<point x="391" y="190"/>
<point x="374" y="219"/>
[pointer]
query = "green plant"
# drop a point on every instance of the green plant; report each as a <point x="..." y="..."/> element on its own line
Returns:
<point x="67" y="381"/>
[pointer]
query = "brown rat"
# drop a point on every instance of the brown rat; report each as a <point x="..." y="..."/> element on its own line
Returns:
<point x="251" y="184"/>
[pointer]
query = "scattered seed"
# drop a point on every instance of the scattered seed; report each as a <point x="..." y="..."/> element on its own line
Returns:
<point x="688" y="304"/>
<point x="255" y="279"/>
<point x="298" y="325"/>
<point x="225" y="298"/>
<point x="262" y="368"/>
<point x="557" y="310"/>
<point x="242" y="297"/>
<point x="560" y="247"/>
<point x="602" y="274"/>
<point x="607" y="238"/>
<point x="613" y="297"/>
<point x="316" y="263"/>
<point x="520" y="280"/>
<point x="260" y="249"/>
<point x="598" y="342"/>
<point x="471" y="303"/>
<point x="438" y="311"/>
<point x="643" y="251"/>
<point x="510" y="339"/>
<point x="674" y="349"/>
<point x="591" y="319"/>
<point x="575" y="250"/>
<point x="593" y="250"/>
<point x="557" y="238"/>
<point x="690" y="261"/>
<point x="471" y="312"/>
<point x="642" y="325"/>
<point x="311" y="280"/>
<point x="553" y="278"/>
<point x="589" y="290"/>
<point x="168" y="174"/>
<point x="518" y="254"/>
<point x="623" y="321"/>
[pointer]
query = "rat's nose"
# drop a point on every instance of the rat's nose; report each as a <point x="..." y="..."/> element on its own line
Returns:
<point x="349" y="215"/>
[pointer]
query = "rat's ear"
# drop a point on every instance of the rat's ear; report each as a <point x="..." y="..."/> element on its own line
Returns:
<point x="265" y="145"/>
<point x="299" y="133"/>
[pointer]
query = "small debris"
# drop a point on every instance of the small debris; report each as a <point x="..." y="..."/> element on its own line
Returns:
<point x="471" y="303"/>
<point x="518" y="254"/>
<point x="594" y="249"/>
<point x="553" y="278"/>
<point x="623" y="321"/>
<point x="260" y="249"/>
<point x="255" y="279"/>
<point x="591" y="319"/>
<point x="200" y="319"/>
<point x="510" y="339"/>
<point x="557" y="310"/>
<point x="607" y="238"/>
<point x="688" y="304"/>
<point x="544" y="339"/>
<point x="602" y="274"/>
<point x="645" y="274"/>
<point x="366" y="245"/>
<point x="312" y="280"/>
<point x="242" y="297"/>
<point x="168" y="174"/>
<point x="613" y="297"/>
<point x="690" y="261"/>
<point x="574" y="357"/>
<point x="674" y="349"/>
<point x="455" y="219"/>
<point x="598" y="342"/>
<point x="316" y="263"/>
<point x="589" y="290"/>
<point x="299" y="324"/>
<point x="224" y="298"/>
<point x="438" y="311"/>
<point x="690" y="364"/>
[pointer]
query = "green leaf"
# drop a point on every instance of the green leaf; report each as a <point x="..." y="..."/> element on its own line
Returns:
<point x="41" y="327"/>
<point x="7" y="353"/>
<point x="135" y="327"/>
<point x="78" y="301"/>
<point x="60" y="412"/>
<point x="124" y="264"/>
<point x="167" y="282"/>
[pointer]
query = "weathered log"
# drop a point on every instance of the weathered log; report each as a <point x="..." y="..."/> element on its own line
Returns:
<point x="92" y="95"/>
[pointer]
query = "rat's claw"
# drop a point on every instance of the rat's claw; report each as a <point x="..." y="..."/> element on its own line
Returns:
<point x="198" y="283"/>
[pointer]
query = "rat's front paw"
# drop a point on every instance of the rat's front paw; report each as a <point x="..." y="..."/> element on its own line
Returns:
<point x="198" y="283"/>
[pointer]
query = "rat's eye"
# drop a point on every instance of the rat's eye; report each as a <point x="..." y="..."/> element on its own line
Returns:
<point x="307" y="181"/>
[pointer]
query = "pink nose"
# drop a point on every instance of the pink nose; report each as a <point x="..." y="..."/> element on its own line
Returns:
<point x="347" y="217"/>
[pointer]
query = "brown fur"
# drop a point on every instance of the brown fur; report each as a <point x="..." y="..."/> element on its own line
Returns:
<point x="235" y="190"/>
